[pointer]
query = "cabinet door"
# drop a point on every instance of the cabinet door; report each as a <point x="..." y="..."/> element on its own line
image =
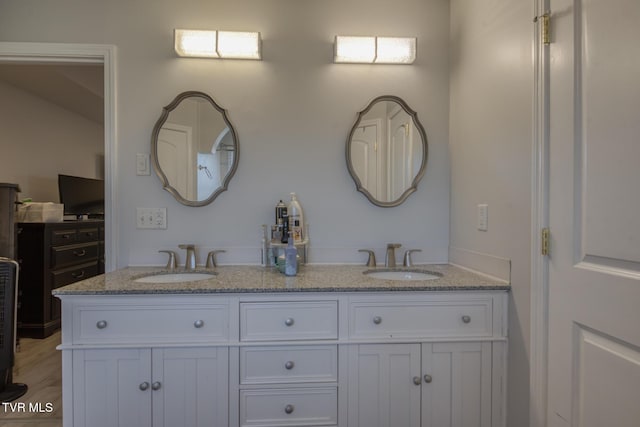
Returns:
<point x="382" y="392"/>
<point x="190" y="387"/>
<point x="456" y="389"/>
<point x="111" y="389"/>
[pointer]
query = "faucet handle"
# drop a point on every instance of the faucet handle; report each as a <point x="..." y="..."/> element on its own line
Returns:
<point x="371" y="261"/>
<point x="407" y="257"/>
<point x="211" y="258"/>
<point x="171" y="263"/>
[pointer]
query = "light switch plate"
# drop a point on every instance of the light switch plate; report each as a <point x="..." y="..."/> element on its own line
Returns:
<point x="151" y="218"/>
<point x="142" y="164"/>
<point x="483" y="217"/>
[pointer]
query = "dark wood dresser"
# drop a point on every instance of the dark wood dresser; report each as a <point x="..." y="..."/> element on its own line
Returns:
<point x="52" y="255"/>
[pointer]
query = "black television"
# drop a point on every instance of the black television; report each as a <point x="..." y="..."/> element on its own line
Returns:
<point x="81" y="196"/>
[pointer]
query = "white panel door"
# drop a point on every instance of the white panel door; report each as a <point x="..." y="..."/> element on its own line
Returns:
<point x="365" y="156"/>
<point x="111" y="388"/>
<point x="190" y="387"/>
<point x="400" y="156"/>
<point x="382" y="392"/>
<point x="176" y="158"/>
<point x="594" y="214"/>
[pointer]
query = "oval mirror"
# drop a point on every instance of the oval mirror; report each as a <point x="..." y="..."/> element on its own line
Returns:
<point x="194" y="149"/>
<point x="387" y="151"/>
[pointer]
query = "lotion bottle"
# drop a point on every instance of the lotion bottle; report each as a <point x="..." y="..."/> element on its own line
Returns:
<point x="296" y="218"/>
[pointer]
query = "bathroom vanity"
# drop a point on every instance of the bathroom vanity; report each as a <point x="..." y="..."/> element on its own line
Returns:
<point x="251" y="347"/>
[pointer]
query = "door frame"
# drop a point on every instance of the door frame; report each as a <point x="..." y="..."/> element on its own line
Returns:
<point x="539" y="287"/>
<point x="51" y="53"/>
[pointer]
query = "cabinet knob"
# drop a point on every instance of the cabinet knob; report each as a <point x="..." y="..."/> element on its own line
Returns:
<point x="144" y="386"/>
<point x="289" y="321"/>
<point x="198" y="323"/>
<point x="289" y="365"/>
<point x="417" y="380"/>
<point x="428" y="378"/>
<point x="466" y="319"/>
<point x="377" y="320"/>
<point x="156" y="385"/>
<point x="289" y="409"/>
<point x="101" y="324"/>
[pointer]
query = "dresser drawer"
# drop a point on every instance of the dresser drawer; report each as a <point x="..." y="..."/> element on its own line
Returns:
<point x="297" y="320"/>
<point x="150" y="324"/>
<point x="73" y="254"/>
<point x="65" y="236"/>
<point x="290" y="364"/>
<point x="421" y="319"/>
<point x="289" y="407"/>
<point x="73" y="274"/>
<point x="88" y="234"/>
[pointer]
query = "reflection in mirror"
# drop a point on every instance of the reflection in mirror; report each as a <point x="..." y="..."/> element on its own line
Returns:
<point x="387" y="151"/>
<point x="194" y="149"/>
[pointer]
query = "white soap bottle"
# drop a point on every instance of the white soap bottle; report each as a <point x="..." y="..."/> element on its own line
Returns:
<point x="296" y="219"/>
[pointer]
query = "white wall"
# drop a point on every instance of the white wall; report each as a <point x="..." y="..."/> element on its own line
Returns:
<point x="39" y="140"/>
<point x="292" y="111"/>
<point x="490" y="140"/>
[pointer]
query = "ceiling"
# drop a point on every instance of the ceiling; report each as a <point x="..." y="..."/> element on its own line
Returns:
<point x="78" y="88"/>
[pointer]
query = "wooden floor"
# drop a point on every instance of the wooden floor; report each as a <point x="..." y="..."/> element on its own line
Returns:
<point x="38" y="364"/>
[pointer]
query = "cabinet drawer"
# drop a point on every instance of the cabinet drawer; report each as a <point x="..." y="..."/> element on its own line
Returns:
<point x="290" y="364"/>
<point x="73" y="254"/>
<point x="64" y="236"/>
<point x="298" y="320"/>
<point x="73" y="274"/>
<point x="420" y="319"/>
<point x="150" y="324"/>
<point x="88" y="234"/>
<point x="289" y="407"/>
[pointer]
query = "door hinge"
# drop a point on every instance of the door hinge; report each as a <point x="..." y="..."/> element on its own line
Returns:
<point x="545" y="235"/>
<point x="546" y="30"/>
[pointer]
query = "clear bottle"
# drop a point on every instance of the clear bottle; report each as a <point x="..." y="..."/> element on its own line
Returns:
<point x="290" y="259"/>
<point x="296" y="218"/>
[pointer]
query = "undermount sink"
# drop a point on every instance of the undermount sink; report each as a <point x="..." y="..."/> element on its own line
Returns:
<point x="402" y="274"/>
<point x="174" y="277"/>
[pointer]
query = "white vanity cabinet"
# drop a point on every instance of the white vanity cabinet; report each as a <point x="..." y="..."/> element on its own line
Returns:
<point x="429" y="360"/>
<point x="350" y="359"/>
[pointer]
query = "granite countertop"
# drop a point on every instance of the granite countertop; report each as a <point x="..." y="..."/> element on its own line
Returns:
<point x="310" y="278"/>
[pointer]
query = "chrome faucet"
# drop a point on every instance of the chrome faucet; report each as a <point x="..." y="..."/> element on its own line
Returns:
<point x="190" y="263"/>
<point x="390" y="259"/>
<point x="171" y="263"/>
<point x="408" y="262"/>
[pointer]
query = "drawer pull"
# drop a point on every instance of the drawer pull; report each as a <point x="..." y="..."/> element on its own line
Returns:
<point x="289" y="409"/>
<point x="144" y="386"/>
<point x="377" y="320"/>
<point x="417" y="380"/>
<point x="80" y="253"/>
<point x="289" y="321"/>
<point x="427" y="378"/>
<point x="289" y="365"/>
<point x="466" y="319"/>
<point x="66" y="236"/>
<point x="198" y="323"/>
<point x="79" y="275"/>
<point x="101" y="324"/>
<point x="156" y="385"/>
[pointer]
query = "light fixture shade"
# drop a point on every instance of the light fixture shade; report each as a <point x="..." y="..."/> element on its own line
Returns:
<point x="375" y="50"/>
<point x="239" y="45"/>
<point x="196" y="43"/>
<point x="350" y="49"/>
<point x="217" y="44"/>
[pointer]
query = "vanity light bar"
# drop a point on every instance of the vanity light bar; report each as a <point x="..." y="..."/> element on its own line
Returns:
<point x="374" y="50"/>
<point x="217" y="44"/>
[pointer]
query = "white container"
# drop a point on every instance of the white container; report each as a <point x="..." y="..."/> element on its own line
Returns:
<point x="296" y="219"/>
<point x="41" y="212"/>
